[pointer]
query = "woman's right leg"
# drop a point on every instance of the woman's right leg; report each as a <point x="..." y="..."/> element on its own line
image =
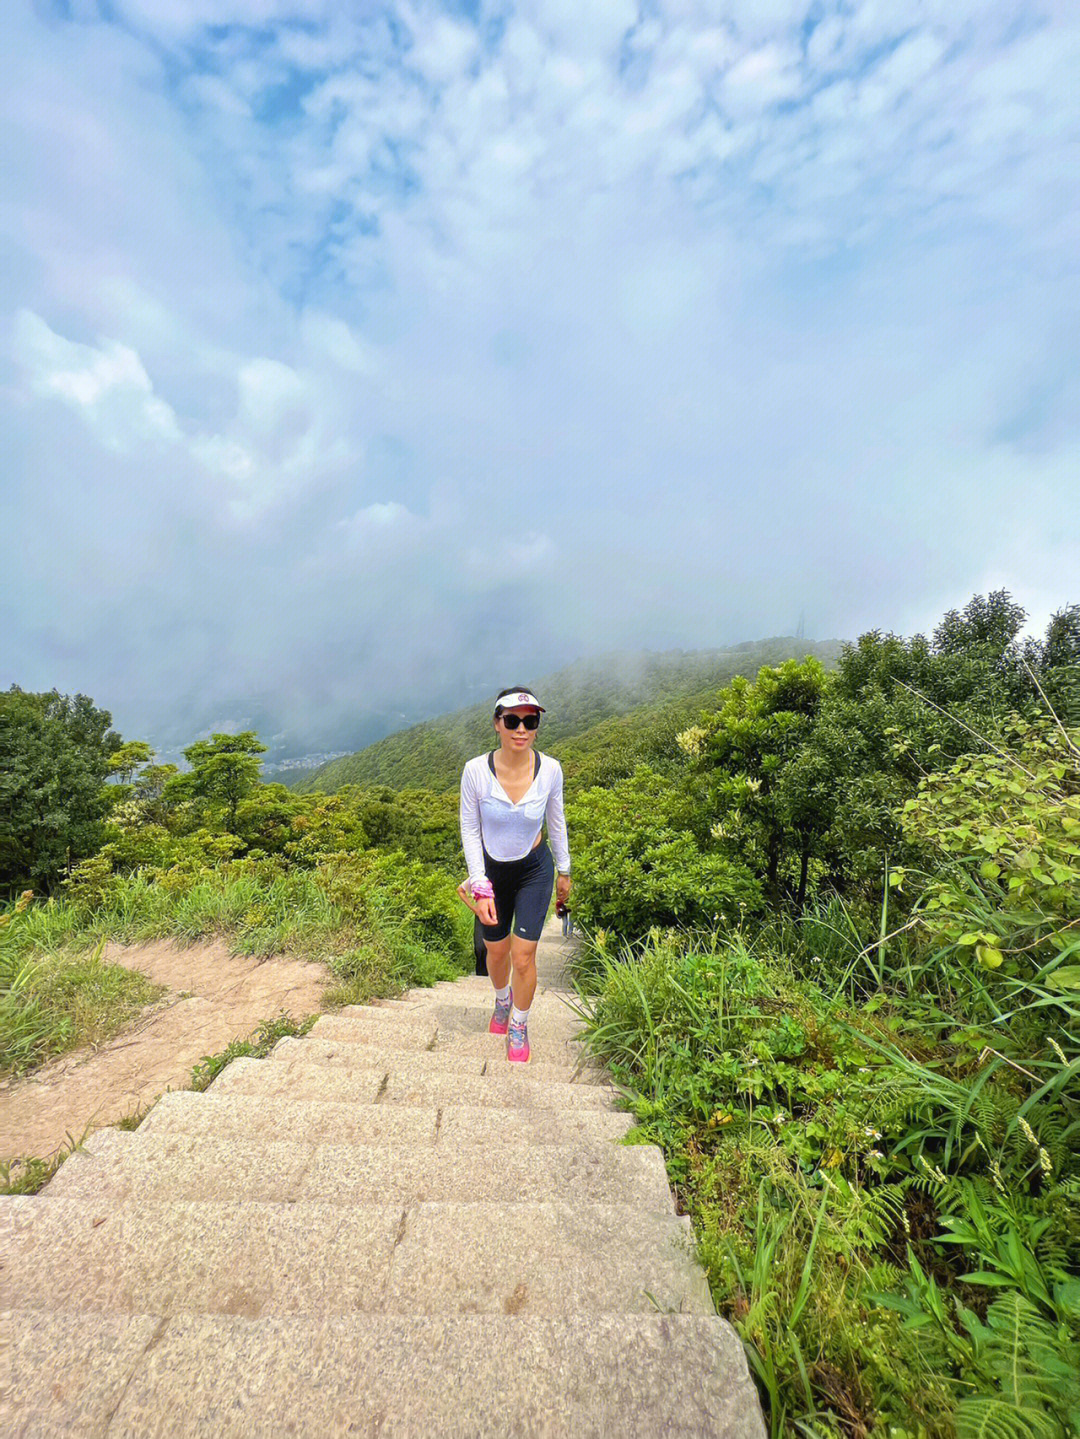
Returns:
<point x="498" y="961"/>
<point x="498" y="964"/>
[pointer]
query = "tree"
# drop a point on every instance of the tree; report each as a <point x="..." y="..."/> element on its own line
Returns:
<point x="123" y="762"/>
<point x="224" y="771"/>
<point x="1057" y="657"/>
<point x="54" y="759"/>
<point x="988" y="622"/>
<point x="150" y="789"/>
<point x="765" y="789"/>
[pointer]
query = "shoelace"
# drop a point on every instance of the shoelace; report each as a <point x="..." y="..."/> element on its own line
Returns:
<point x="518" y="1035"/>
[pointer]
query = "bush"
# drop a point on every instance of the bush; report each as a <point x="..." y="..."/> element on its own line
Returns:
<point x="638" y="865"/>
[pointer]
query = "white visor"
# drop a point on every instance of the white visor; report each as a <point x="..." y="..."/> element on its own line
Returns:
<point x="519" y="697"/>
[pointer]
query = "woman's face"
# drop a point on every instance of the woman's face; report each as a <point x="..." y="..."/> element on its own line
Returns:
<point x="519" y="739"/>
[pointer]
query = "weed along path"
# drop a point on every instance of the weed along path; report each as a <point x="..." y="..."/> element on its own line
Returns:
<point x="213" y="997"/>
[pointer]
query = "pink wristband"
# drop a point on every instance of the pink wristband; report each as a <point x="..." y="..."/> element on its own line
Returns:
<point x="482" y="890"/>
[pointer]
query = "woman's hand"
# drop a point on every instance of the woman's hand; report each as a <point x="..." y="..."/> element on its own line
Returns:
<point x="484" y="909"/>
<point x="562" y="888"/>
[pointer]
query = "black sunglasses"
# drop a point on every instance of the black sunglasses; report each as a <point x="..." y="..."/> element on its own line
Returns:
<point x="529" y="721"/>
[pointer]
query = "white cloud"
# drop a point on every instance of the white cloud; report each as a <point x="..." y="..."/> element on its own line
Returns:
<point x="376" y="524"/>
<point x="442" y="50"/>
<point x="330" y="338"/>
<point x="105" y="383"/>
<point x="282" y="436"/>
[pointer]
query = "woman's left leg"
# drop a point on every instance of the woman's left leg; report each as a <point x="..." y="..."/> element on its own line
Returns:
<point x="530" y="910"/>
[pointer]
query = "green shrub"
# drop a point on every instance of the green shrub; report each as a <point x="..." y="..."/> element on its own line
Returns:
<point x="638" y="865"/>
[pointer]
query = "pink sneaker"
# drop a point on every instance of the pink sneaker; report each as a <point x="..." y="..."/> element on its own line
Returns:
<point x="501" y="1018"/>
<point x="517" y="1050"/>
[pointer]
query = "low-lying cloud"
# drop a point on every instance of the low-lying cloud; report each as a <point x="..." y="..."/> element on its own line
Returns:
<point x="356" y="361"/>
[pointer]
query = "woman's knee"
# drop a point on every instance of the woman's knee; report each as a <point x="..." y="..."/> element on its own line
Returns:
<point x="523" y="955"/>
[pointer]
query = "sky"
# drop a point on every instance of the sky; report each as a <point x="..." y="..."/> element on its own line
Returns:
<point x="358" y="360"/>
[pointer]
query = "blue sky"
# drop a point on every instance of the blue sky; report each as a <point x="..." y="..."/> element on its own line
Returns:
<point x="357" y="356"/>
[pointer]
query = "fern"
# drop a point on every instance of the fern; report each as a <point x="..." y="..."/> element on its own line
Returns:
<point x="1035" y="1375"/>
<point x="995" y="1419"/>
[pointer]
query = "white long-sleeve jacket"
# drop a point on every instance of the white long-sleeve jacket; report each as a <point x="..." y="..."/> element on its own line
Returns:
<point x="489" y="819"/>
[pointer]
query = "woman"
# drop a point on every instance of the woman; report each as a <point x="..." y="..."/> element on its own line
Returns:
<point x="505" y="797"/>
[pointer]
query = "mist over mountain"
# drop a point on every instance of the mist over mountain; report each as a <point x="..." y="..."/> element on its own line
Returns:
<point x="576" y="698"/>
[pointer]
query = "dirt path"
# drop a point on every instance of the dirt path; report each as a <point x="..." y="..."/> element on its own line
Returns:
<point x="228" y="996"/>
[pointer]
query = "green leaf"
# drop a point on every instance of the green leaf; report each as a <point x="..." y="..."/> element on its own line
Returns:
<point x="1067" y="1296"/>
<point x="989" y="870"/>
<point x="1066" y="977"/>
<point x="988" y="956"/>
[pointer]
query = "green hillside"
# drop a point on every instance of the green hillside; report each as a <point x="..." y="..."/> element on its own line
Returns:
<point x="620" y="699"/>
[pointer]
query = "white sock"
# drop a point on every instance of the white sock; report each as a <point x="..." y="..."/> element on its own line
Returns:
<point x="518" y="1016"/>
<point x="502" y="995"/>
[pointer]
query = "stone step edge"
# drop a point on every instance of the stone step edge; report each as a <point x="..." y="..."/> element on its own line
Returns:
<point x="173" y="1111"/>
<point x="384" y="1085"/>
<point x="392" y="1062"/>
<point x="345" y="1053"/>
<point x="108" y="1145"/>
<point x="637" y="1371"/>
<point x="14" y="1205"/>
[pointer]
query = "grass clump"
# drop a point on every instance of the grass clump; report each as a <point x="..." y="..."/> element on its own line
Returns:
<point x="60" y="1001"/>
<point x="257" y="1047"/>
<point x="880" y="1200"/>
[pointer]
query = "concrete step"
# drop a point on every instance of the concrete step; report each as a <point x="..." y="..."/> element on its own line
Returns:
<point x="277" y="1118"/>
<point x="546" y="1048"/>
<point x="545" y="1024"/>
<point x="258" y="1258"/>
<point x="545" y="1017"/>
<point x="327" y="1376"/>
<point x="447" y="1058"/>
<point x="363" y="1054"/>
<point x="380" y="1026"/>
<point x="509" y="1087"/>
<point x="478" y="992"/>
<point x="185" y="1166"/>
<point x="457" y="996"/>
<point x="467" y="984"/>
<point x="545" y="1258"/>
<point x="321" y="1122"/>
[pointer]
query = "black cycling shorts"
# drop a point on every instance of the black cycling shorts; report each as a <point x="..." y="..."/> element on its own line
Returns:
<point x="522" y="892"/>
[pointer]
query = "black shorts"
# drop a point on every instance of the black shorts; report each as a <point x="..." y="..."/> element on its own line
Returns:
<point x="522" y="892"/>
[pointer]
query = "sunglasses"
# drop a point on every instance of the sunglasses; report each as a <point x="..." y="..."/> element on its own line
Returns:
<point x="529" y="721"/>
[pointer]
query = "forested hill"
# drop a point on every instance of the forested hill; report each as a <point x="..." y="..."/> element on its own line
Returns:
<point x="632" y="698"/>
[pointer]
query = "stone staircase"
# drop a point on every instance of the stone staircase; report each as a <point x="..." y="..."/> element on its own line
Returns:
<point x="383" y="1229"/>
